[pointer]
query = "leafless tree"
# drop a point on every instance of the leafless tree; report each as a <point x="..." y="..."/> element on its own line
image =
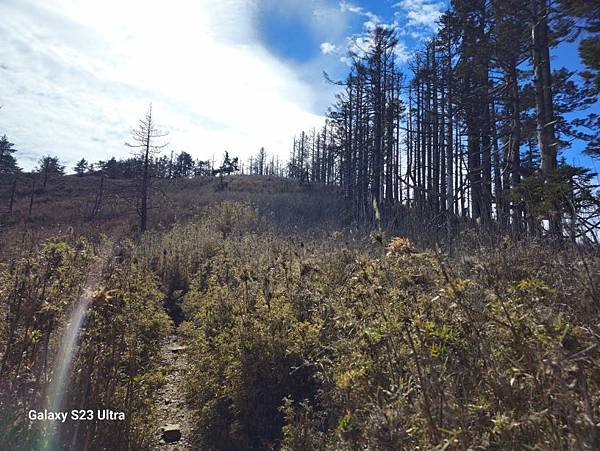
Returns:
<point x="144" y="139"/>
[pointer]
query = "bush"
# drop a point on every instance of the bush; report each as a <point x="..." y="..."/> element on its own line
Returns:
<point x="37" y="291"/>
<point x="246" y="339"/>
<point x="118" y="364"/>
<point x="304" y="347"/>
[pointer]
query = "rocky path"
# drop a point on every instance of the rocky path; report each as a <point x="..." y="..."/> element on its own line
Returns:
<point x="173" y="414"/>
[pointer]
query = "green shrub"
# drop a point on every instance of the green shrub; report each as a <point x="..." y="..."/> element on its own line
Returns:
<point x="118" y="363"/>
<point x="304" y="346"/>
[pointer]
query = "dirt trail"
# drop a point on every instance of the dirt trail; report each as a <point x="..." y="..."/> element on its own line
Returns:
<point x="174" y="416"/>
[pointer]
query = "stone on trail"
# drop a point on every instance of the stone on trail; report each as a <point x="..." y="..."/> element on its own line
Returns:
<point x="171" y="433"/>
<point x="176" y="348"/>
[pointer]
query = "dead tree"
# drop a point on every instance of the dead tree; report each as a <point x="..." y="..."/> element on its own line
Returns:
<point x="144" y="138"/>
<point x="99" y="197"/>
<point x="31" y="197"/>
<point x="12" y="196"/>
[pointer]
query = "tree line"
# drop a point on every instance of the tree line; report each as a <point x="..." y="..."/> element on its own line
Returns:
<point x="145" y="164"/>
<point x="264" y="164"/>
<point x="471" y="134"/>
<point x="474" y="131"/>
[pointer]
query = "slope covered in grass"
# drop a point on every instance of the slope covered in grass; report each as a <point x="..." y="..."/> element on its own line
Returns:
<point x="335" y="343"/>
<point x="302" y="331"/>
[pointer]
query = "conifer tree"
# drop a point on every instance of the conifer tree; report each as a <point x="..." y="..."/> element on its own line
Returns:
<point x="81" y="167"/>
<point x="144" y="143"/>
<point x="8" y="163"/>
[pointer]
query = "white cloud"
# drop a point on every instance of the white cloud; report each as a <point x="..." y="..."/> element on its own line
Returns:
<point x="349" y="7"/>
<point x="77" y="76"/>
<point x="422" y="13"/>
<point x="373" y="20"/>
<point x="402" y="53"/>
<point x="360" y="45"/>
<point x="327" y="48"/>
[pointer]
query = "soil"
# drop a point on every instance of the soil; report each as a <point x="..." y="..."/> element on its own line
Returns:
<point x="172" y="408"/>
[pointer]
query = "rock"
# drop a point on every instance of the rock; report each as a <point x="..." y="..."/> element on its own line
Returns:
<point x="167" y="401"/>
<point x="176" y="348"/>
<point x="171" y="433"/>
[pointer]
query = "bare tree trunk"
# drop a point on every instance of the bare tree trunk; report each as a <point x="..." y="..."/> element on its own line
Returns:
<point x="435" y="146"/>
<point x="31" y="197"/>
<point x="543" y="86"/>
<point x="515" y="146"/>
<point x="449" y="145"/>
<point x="409" y="149"/>
<point x="398" y="158"/>
<point x="46" y="175"/>
<point x="543" y="96"/>
<point x="12" y="195"/>
<point x="144" y="193"/>
<point x="501" y="214"/>
<point x="377" y="132"/>
<point x="99" y="197"/>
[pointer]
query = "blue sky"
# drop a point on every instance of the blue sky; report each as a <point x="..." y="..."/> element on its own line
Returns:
<point x="222" y="74"/>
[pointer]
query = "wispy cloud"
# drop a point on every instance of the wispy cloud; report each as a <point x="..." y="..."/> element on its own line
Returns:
<point x="327" y="48"/>
<point x="373" y="20"/>
<point x="349" y="7"/>
<point x="403" y="54"/>
<point x="76" y="78"/>
<point x="421" y="13"/>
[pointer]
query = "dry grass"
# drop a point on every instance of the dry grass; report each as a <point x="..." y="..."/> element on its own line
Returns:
<point x="304" y="332"/>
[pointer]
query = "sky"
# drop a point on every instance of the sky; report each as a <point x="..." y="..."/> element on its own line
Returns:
<point x="235" y="75"/>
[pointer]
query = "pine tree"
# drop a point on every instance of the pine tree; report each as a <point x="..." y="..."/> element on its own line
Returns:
<point x="49" y="167"/>
<point x="81" y="167"/>
<point x="589" y="46"/>
<point x="184" y="165"/>
<point x="8" y="163"/>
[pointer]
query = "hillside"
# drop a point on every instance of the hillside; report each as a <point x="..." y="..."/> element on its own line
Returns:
<point x="300" y="225"/>
<point x="256" y="316"/>
<point x="69" y="201"/>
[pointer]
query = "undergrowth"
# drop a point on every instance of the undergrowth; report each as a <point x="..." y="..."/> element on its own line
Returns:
<point x="302" y="344"/>
<point x="303" y="338"/>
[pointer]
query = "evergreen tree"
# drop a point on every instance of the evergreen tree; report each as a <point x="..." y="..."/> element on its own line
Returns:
<point x="184" y="165"/>
<point x="202" y="168"/>
<point x="81" y="167"/>
<point x="8" y="163"/>
<point x="229" y="166"/>
<point x="587" y="11"/>
<point x="49" y="167"/>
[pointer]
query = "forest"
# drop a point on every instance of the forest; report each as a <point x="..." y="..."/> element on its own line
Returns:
<point x="475" y="130"/>
<point x="421" y="272"/>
